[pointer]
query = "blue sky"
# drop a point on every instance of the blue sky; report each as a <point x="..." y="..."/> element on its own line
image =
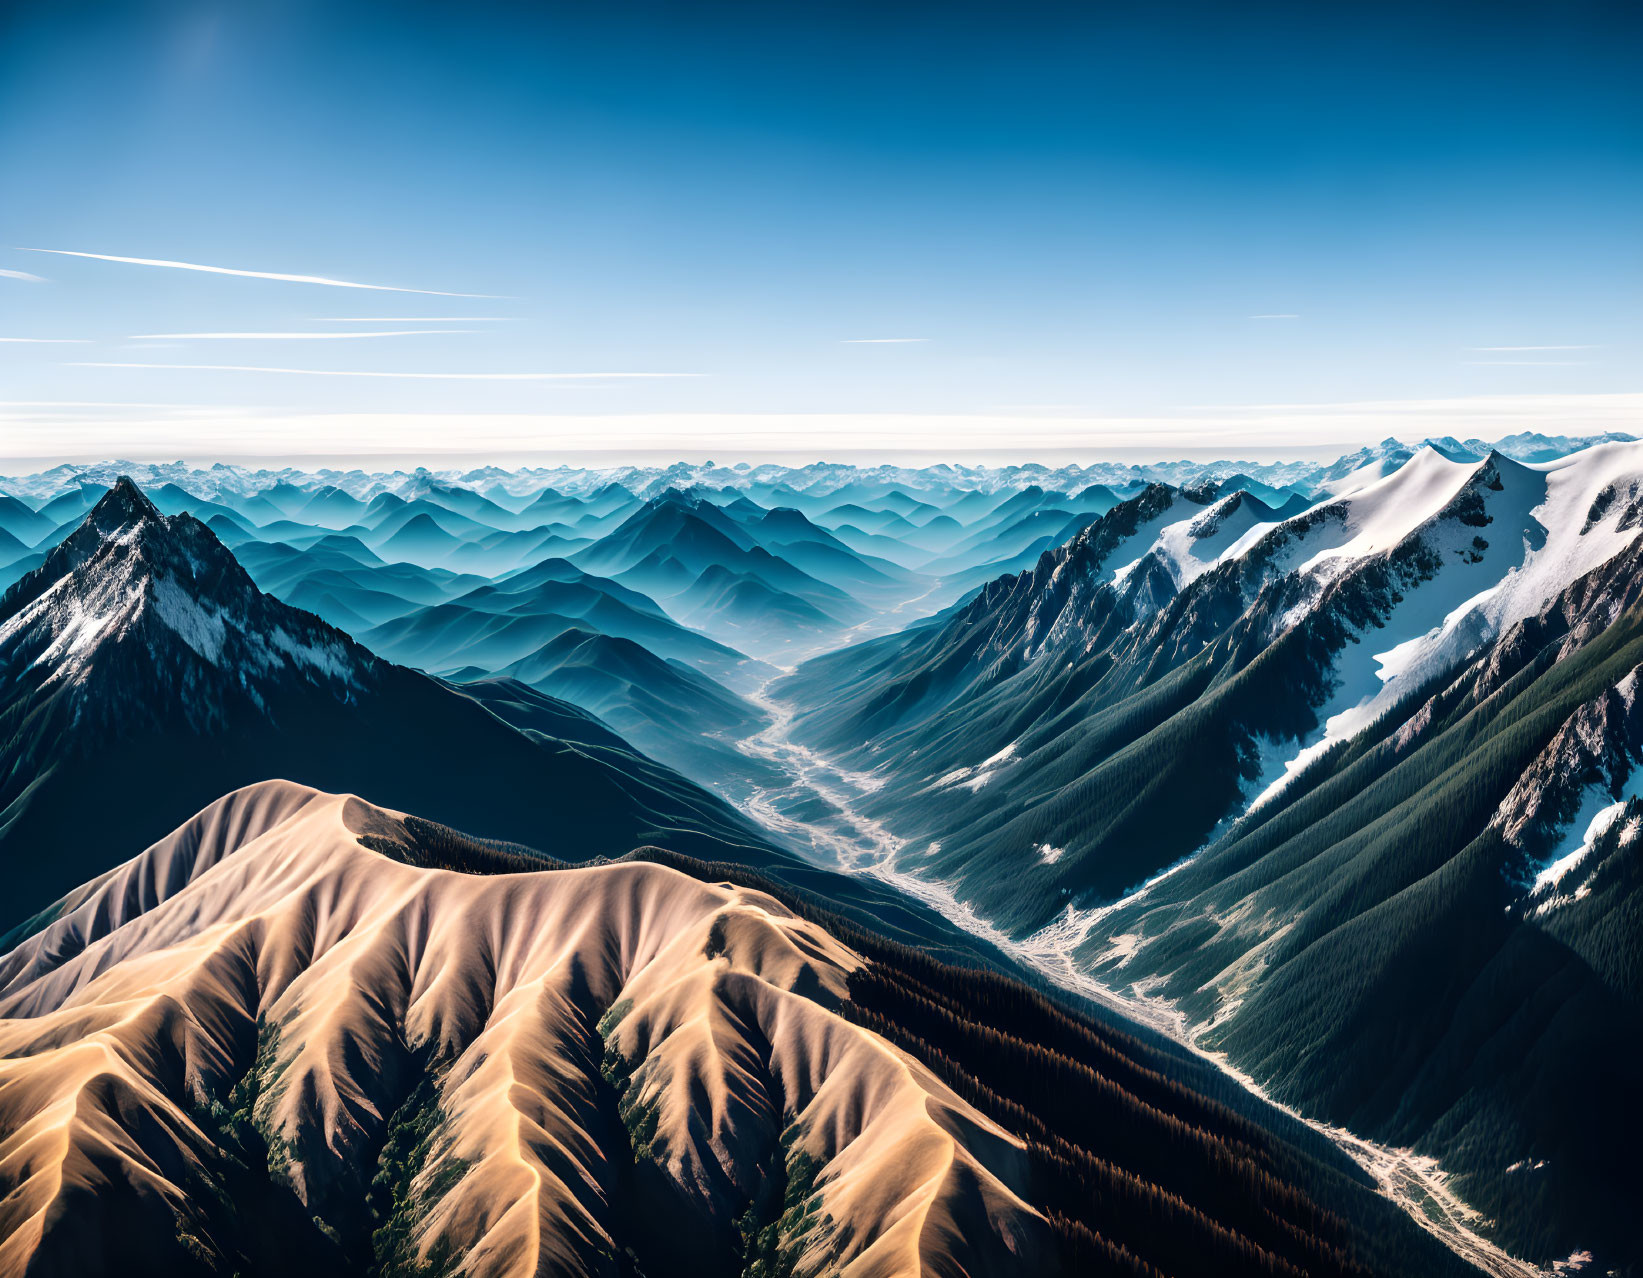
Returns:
<point x="1068" y="217"/>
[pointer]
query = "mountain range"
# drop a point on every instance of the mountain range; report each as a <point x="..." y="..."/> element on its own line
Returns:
<point x="1350" y="774"/>
<point x="865" y="869"/>
<point x="306" y="1031"/>
<point x="141" y="664"/>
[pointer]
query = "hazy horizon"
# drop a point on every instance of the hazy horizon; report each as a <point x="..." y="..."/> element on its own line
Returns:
<point x="1261" y="432"/>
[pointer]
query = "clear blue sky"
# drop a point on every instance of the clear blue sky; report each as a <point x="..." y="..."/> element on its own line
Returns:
<point x="1071" y="214"/>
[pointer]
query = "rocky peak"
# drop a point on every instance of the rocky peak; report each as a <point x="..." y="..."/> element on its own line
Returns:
<point x="162" y="606"/>
<point x="122" y="504"/>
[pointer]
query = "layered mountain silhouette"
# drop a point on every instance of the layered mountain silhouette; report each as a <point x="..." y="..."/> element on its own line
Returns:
<point x="714" y="573"/>
<point x="144" y="674"/>
<point x="669" y="710"/>
<point x="496" y="624"/>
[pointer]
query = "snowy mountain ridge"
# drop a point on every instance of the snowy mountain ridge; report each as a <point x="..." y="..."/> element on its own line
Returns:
<point x="1285" y="636"/>
<point x="130" y="578"/>
<point x="1496" y="540"/>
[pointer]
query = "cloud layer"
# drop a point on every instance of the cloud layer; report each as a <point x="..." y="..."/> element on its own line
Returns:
<point x="45" y="433"/>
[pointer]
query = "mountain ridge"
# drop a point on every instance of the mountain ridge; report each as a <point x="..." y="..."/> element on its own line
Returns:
<point x="303" y="1028"/>
<point x="1369" y="776"/>
<point x="144" y="666"/>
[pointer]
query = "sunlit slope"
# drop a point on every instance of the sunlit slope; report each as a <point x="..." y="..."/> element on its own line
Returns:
<point x="288" y="1036"/>
<point x="264" y="926"/>
<point x="142" y="674"/>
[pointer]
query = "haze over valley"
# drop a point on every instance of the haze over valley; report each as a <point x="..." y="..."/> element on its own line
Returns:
<point x="1184" y="742"/>
<point x="850" y="640"/>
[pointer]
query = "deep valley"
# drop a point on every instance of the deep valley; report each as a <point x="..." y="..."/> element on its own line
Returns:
<point x="1108" y="867"/>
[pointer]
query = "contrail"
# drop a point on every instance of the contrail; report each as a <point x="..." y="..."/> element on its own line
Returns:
<point x="255" y="275"/>
<point x="338" y="372"/>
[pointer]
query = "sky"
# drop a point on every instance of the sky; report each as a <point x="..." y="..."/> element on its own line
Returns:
<point x="831" y="230"/>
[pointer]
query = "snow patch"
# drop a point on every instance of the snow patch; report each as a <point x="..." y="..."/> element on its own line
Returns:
<point x="1276" y="766"/>
<point x="201" y="629"/>
<point x="1552" y="883"/>
<point x="1385" y="512"/>
<point x="1123" y="947"/>
<point x="1596" y="828"/>
<point x="1492" y="575"/>
<point x="1191" y="547"/>
<point x="1129" y="552"/>
<point x="326" y="658"/>
<point x="976" y="776"/>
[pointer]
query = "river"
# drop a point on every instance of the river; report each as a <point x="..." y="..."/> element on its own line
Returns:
<point x="858" y="844"/>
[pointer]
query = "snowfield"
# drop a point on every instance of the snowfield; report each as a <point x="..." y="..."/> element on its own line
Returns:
<point x="1538" y="539"/>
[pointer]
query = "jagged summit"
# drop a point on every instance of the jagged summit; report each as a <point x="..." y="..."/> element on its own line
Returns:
<point x="158" y="601"/>
<point x="123" y="508"/>
<point x="126" y="501"/>
<point x="139" y="662"/>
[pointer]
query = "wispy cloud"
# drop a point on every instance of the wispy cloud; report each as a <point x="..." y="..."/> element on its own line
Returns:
<point x="255" y="275"/>
<point x="339" y="372"/>
<point x="289" y="337"/>
<point x="105" y="403"/>
<point x="48" y="341"/>
<point x="22" y="275"/>
<point x="409" y="319"/>
<point x="1531" y="348"/>
<point x="881" y="341"/>
<point x="1275" y="316"/>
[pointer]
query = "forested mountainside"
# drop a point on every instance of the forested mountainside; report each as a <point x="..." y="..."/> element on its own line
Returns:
<point x="1188" y="636"/>
<point x="1390" y="738"/>
<point x="1335" y="768"/>
<point x="1460" y="882"/>
<point x="305" y="1031"/>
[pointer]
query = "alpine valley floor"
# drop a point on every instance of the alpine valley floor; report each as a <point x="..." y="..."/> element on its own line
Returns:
<point x="864" y="846"/>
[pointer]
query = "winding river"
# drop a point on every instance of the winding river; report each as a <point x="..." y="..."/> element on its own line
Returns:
<point x="858" y="844"/>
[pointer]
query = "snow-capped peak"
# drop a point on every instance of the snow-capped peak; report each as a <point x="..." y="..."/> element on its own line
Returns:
<point x="1501" y="538"/>
<point x="163" y="601"/>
